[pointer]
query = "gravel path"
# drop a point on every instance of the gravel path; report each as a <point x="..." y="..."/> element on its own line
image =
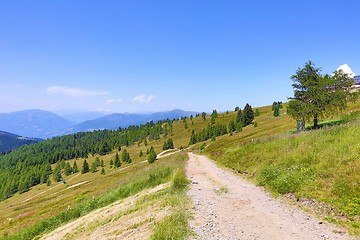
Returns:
<point x="227" y="206"/>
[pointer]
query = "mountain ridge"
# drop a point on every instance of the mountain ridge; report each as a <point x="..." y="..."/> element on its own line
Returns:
<point x="33" y="123"/>
<point x="10" y="141"/>
<point x="43" y="124"/>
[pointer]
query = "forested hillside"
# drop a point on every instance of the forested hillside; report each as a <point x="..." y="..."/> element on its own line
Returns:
<point x="30" y="165"/>
<point x="9" y="141"/>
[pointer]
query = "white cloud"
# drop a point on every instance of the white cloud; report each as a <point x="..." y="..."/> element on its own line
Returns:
<point x="75" y="92"/>
<point x="346" y="69"/>
<point x="110" y="101"/>
<point x="143" y="98"/>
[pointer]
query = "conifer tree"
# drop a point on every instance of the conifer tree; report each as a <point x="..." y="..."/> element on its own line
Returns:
<point x="62" y="164"/>
<point x="203" y="114"/>
<point x="214" y="114"/>
<point x="67" y="169"/>
<point x="152" y="155"/>
<point x="125" y="156"/>
<point x="85" y="167"/>
<point x="248" y="115"/>
<point x="317" y="95"/>
<point x="232" y="126"/>
<point x="117" y="162"/>
<point x="212" y="121"/>
<point x="75" y="167"/>
<point x="44" y="177"/>
<point x="97" y="162"/>
<point x="240" y="117"/>
<point x="169" y="144"/>
<point x="193" y="139"/>
<point x="102" y="164"/>
<point x="57" y="173"/>
<point x="93" y="167"/>
<point x="102" y="171"/>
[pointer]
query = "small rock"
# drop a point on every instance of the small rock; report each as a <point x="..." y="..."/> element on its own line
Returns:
<point x="320" y="222"/>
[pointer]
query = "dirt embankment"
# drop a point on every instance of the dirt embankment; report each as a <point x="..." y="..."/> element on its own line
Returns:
<point x="120" y="220"/>
<point x="227" y="206"/>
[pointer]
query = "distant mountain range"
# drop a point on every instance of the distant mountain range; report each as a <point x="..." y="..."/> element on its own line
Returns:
<point x="44" y="124"/>
<point x="34" y="123"/>
<point x="9" y="141"/>
<point x="116" y="120"/>
<point x="79" y="117"/>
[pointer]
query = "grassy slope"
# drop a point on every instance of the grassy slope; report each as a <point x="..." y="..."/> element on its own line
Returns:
<point x="16" y="213"/>
<point x="323" y="165"/>
<point x="169" y="169"/>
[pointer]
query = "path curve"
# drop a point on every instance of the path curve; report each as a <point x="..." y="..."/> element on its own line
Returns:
<point x="227" y="206"/>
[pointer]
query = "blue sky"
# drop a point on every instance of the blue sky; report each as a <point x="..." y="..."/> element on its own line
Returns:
<point x="146" y="56"/>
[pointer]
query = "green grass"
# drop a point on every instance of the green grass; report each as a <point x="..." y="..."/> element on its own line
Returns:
<point x="175" y="226"/>
<point x="154" y="178"/>
<point x="322" y="165"/>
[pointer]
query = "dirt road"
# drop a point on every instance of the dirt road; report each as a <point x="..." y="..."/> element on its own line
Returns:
<point x="227" y="206"/>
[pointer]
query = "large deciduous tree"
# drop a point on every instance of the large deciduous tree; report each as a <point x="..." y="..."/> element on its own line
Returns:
<point x="317" y="95"/>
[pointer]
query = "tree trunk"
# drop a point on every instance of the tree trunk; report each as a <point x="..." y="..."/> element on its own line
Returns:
<point x="316" y="122"/>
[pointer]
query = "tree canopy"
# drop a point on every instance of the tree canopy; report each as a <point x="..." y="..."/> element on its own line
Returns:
<point x="317" y="95"/>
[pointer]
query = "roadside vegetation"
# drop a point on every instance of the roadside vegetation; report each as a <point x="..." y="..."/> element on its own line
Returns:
<point x="171" y="172"/>
<point x="322" y="165"/>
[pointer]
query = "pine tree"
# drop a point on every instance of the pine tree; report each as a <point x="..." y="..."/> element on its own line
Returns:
<point x="212" y="121"/>
<point x="117" y="162"/>
<point x="203" y="114"/>
<point x="232" y="126"/>
<point x="240" y="117"/>
<point x="93" y="167"/>
<point x="44" y="177"/>
<point x="102" y="164"/>
<point x="125" y="157"/>
<point x="141" y="153"/>
<point x="23" y="185"/>
<point x="248" y="115"/>
<point x="317" y="95"/>
<point x="75" y="167"/>
<point x="62" y="164"/>
<point x="214" y="114"/>
<point x="85" y="167"/>
<point x="193" y="139"/>
<point x="97" y="162"/>
<point x="169" y="144"/>
<point x="152" y="155"/>
<point x="102" y="171"/>
<point x="57" y="173"/>
<point x="67" y="169"/>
